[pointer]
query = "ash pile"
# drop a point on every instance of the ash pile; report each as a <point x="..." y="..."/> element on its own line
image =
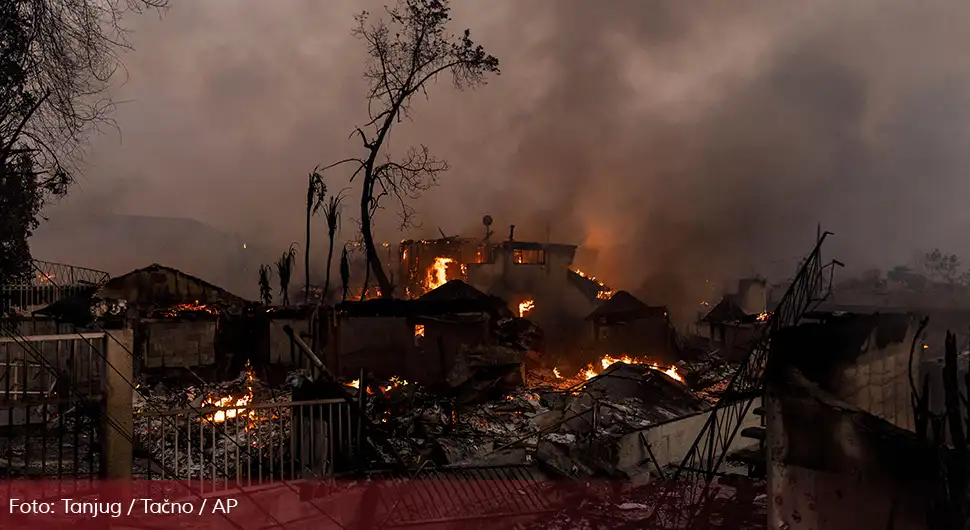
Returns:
<point x="570" y="429"/>
<point x="211" y="430"/>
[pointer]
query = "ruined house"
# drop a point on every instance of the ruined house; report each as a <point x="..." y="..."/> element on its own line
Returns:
<point x="532" y="274"/>
<point x="841" y="448"/>
<point x="731" y="329"/>
<point x="418" y="339"/>
<point x="175" y="317"/>
<point x="625" y="325"/>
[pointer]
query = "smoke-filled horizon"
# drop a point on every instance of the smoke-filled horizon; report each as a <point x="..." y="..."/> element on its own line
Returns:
<point x="673" y="141"/>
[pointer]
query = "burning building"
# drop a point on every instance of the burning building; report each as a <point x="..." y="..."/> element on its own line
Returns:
<point x="536" y="279"/>
<point x="624" y="323"/>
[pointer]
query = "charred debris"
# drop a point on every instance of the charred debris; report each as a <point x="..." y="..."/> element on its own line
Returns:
<point x="501" y="355"/>
<point x="467" y="367"/>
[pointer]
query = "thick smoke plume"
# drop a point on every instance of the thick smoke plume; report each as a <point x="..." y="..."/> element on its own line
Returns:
<point x="677" y="142"/>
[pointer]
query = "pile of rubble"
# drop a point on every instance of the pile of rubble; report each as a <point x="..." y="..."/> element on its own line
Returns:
<point x="182" y="433"/>
<point x="562" y="429"/>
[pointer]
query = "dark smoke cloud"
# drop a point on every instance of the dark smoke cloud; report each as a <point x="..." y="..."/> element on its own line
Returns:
<point x="676" y="141"/>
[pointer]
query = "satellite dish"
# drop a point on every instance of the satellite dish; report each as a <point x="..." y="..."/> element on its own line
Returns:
<point x="487" y="220"/>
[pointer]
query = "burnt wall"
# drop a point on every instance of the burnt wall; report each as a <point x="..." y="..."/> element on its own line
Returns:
<point x="280" y="351"/>
<point x="860" y="359"/>
<point x="834" y="466"/>
<point x="218" y="347"/>
<point x="388" y="346"/>
<point x="176" y="343"/>
<point x="670" y="441"/>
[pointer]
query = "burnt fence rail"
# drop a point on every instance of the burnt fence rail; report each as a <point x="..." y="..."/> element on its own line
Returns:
<point x="225" y="448"/>
<point x="50" y="404"/>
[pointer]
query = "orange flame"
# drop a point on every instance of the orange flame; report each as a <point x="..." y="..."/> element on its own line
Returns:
<point x="419" y="330"/>
<point x="438" y="273"/>
<point x="763" y="316"/>
<point x="592" y="370"/>
<point x="605" y="293"/>
<point x="241" y="402"/>
<point x="525" y="307"/>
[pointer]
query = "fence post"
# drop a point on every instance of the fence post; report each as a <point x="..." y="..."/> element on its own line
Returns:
<point x="117" y="428"/>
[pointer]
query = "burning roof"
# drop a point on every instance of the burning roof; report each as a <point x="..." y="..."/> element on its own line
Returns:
<point x="624" y="306"/>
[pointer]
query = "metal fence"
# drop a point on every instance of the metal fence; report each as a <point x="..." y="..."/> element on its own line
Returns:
<point x="224" y="448"/>
<point x="49" y="282"/>
<point x="50" y="403"/>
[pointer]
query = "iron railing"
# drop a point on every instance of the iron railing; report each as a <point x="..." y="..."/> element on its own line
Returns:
<point x="50" y="396"/>
<point x="691" y="485"/>
<point x="48" y="283"/>
<point x="232" y="447"/>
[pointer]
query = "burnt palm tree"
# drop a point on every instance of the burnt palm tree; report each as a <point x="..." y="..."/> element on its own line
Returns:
<point x="284" y="269"/>
<point x="265" y="290"/>
<point x="332" y="213"/>
<point x="316" y="192"/>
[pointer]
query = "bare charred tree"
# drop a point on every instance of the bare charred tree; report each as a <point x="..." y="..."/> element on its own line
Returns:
<point x="332" y="214"/>
<point x="284" y="270"/>
<point x="408" y="49"/>
<point x="345" y="273"/>
<point x="316" y="193"/>
<point x="56" y="59"/>
<point x="265" y="289"/>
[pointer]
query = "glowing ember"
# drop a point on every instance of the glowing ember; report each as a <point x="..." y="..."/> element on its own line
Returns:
<point x="605" y="294"/>
<point x="45" y="277"/>
<point x="763" y="316"/>
<point x="592" y="370"/>
<point x="419" y="330"/>
<point x="438" y="274"/>
<point x="241" y="402"/>
<point x="195" y="307"/>
<point x="555" y="372"/>
<point x="525" y="307"/>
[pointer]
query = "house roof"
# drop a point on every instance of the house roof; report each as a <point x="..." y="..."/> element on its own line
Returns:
<point x="120" y="283"/>
<point x="453" y="290"/>
<point x="624" y="306"/>
<point x="725" y="311"/>
<point x="588" y="287"/>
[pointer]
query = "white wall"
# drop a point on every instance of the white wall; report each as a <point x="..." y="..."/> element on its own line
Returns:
<point x="671" y="441"/>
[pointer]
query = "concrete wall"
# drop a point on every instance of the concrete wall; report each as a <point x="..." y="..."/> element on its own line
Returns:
<point x="841" y="451"/>
<point x="861" y="359"/>
<point x="387" y="346"/>
<point x="43" y="326"/>
<point x="671" y="441"/>
<point x="878" y="382"/>
<point x="176" y="343"/>
<point x="834" y="467"/>
<point x="279" y="341"/>
<point x="380" y="345"/>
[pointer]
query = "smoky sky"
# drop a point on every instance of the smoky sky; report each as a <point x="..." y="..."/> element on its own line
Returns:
<point x="673" y="141"/>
